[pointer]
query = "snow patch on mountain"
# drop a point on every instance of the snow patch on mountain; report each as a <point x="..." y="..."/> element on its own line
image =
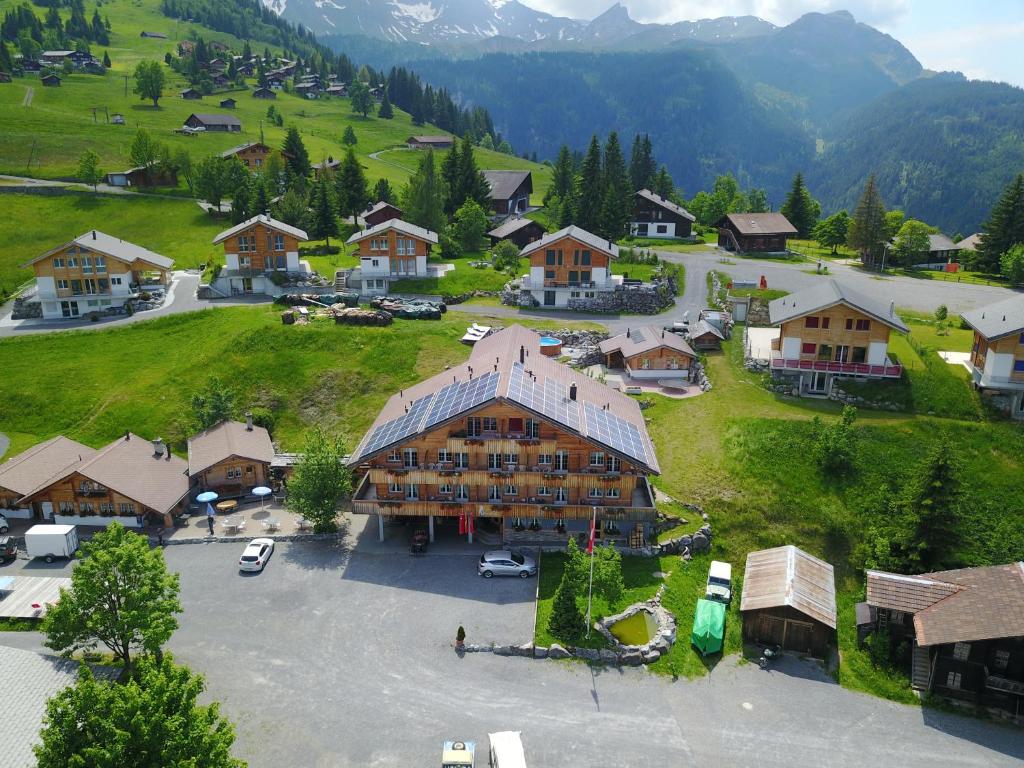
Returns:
<point x="424" y="13"/>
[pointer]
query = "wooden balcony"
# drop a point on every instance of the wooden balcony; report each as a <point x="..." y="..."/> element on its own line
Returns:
<point x="885" y="371"/>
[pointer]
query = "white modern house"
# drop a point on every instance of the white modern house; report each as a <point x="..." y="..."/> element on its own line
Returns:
<point x="997" y="353"/>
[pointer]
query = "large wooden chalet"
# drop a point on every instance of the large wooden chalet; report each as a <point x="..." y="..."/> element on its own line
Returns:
<point x="392" y="250"/>
<point x="567" y="265"/>
<point x="965" y="630"/>
<point x="255" y="251"/>
<point x="252" y="154"/>
<point x="506" y="439"/>
<point x="831" y="331"/>
<point x="754" y="232"/>
<point x="656" y="217"/>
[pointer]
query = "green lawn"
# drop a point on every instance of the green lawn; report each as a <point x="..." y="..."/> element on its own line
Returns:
<point x="463" y="279"/>
<point x="178" y="229"/>
<point x="812" y="250"/>
<point x="964" y="276"/>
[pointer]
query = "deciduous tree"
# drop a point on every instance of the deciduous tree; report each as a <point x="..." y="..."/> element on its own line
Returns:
<point x="212" y="404"/>
<point x="89" y="169"/>
<point x="1011" y="264"/>
<point x="122" y="597"/>
<point x="359" y="94"/>
<point x="506" y="257"/>
<point x="320" y="481"/>
<point x="911" y="242"/>
<point x="470" y="225"/>
<point x="149" y="81"/>
<point x="831" y="232"/>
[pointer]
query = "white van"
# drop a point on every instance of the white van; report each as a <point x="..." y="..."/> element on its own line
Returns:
<point x="507" y="750"/>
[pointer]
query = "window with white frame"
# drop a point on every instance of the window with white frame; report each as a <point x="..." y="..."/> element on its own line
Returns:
<point x="562" y="461"/>
<point x="511" y="490"/>
<point x="101" y="263"/>
<point x="394" y="455"/>
<point x="612" y="464"/>
<point x="278" y="242"/>
<point x="953" y="680"/>
<point x="544" y="458"/>
<point x="493" y="493"/>
<point x="412" y="491"/>
<point x="612" y="493"/>
<point x="394" y="488"/>
<point x="494" y="461"/>
<point x="409" y="457"/>
<point x="445" y="488"/>
<point x="462" y="461"/>
<point x="245" y="244"/>
<point x="234" y="473"/>
<point x="444" y="456"/>
<point x="72" y="262"/>
<point x="532" y="428"/>
<point x="86" y="508"/>
<point x="490" y="424"/>
<point x="126" y="508"/>
<point x="116" y="280"/>
<point x="961" y="651"/>
<point x="596" y="493"/>
<point x="474" y="426"/>
<point x="62" y="285"/>
<point x="543" y="490"/>
<point x="596" y="459"/>
<point x="561" y="495"/>
<point x="58" y="263"/>
<point x="66" y="508"/>
<point x="462" y="492"/>
<point x="511" y="458"/>
<point x="106" y="508"/>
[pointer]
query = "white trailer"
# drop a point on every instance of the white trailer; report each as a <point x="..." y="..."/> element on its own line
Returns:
<point x="507" y="750"/>
<point x="51" y="541"/>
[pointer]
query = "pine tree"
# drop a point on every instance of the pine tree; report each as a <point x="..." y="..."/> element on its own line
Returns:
<point x="566" y="622"/>
<point x="259" y="199"/>
<point x="642" y="168"/>
<point x="1004" y="228"/>
<point x="423" y="196"/>
<point x="348" y="138"/>
<point x="385" y="111"/>
<point x="562" y="176"/>
<point x="799" y="207"/>
<point x="295" y="154"/>
<point x="382" y="192"/>
<point x="933" y="507"/>
<point x="662" y="184"/>
<point x="867" y="226"/>
<point x="618" y="197"/>
<point x="323" y="222"/>
<point x="6" y="61"/>
<point x="472" y="183"/>
<point x="588" y="208"/>
<point x="353" y="194"/>
<point x="451" y="173"/>
<point x="106" y="60"/>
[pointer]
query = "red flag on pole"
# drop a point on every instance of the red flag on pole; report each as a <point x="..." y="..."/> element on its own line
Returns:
<point x="593" y="533"/>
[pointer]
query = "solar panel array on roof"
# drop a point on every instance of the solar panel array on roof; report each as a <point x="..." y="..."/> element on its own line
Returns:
<point x="400" y="428"/>
<point x="637" y="336"/>
<point x="549" y="398"/>
<point x="460" y="396"/>
<point x="619" y="434"/>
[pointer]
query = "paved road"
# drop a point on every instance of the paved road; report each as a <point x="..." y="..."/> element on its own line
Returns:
<point x="181" y="298"/>
<point x="340" y="658"/>
<point x="4" y="443"/>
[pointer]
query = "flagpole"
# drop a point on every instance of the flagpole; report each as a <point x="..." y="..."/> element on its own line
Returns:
<point x="590" y="593"/>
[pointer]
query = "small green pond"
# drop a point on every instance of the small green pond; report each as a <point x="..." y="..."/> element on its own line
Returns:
<point x="638" y="629"/>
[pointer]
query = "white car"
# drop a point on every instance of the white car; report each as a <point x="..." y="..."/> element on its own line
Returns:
<point x="719" y="582"/>
<point x="256" y="554"/>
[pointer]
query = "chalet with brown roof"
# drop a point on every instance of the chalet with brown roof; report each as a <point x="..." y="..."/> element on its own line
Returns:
<point x="130" y="476"/>
<point x="430" y="142"/>
<point x="256" y="250"/>
<point x="832" y="331"/>
<point x="508" y="437"/>
<point x="263" y="93"/>
<point x="657" y="217"/>
<point x="789" y="599"/>
<point x="519" y="230"/>
<point x="997" y="354"/>
<point x="253" y="155"/>
<point x="567" y="265"/>
<point x="965" y="630"/>
<point x="754" y="232"/>
<point x="649" y="353"/>
<point x="510" y="191"/>
<point x="380" y="212"/>
<point x="22" y="474"/>
<point x="391" y="250"/>
<point x="231" y="458"/>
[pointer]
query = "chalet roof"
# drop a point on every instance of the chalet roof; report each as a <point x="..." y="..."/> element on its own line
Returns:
<point x="209" y="119"/>
<point x="909" y="594"/>
<point x="539" y="385"/>
<point x="788" y="576"/>
<point x="644" y="339"/>
<point x="997" y="320"/>
<point x="431" y="139"/>
<point x="939" y="242"/>
<point x="703" y="327"/>
<point x="971" y="242"/>
<point x="595" y="242"/>
<point x="987" y="604"/>
<point x="329" y="164"/>
<point x="53" y="54"/>
<point x="190" y="90"/>
<point x="28" y="470"/>
<point x="759" y="223"/>
<point x="242" y="147"/>
<point x="504" y="184"/>
<point x="827" y="294"/>
<point x="131" y="467"/>
<point x="227" y="439"/>
<point x="380" y="206"/>
<point x="668" y="205"/>
<point x="266" y="221"/>
<point x="513" y="225"/>
<point x="398" y="225"/>
<point x="108" y="245"/>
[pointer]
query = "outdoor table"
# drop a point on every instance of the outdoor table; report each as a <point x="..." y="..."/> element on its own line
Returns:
<point x="232" y="524"/>
<point x="227" y="506"/>
<point x="272" y="524"/>
<point x="6" y="583"/>
<point x="303" y="524"/>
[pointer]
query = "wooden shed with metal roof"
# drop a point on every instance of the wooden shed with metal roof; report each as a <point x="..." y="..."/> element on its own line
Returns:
<point x="789" y="599"/>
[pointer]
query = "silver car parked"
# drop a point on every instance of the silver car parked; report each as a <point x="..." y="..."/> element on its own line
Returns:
<point x="505" y="562"/>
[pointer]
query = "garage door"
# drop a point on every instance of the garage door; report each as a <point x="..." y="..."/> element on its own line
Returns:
<point x="791" y="634"/>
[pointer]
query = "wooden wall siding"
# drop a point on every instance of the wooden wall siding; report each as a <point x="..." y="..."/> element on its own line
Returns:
<point x="67" y="491"/>
<point x="523" y="480"/>
<point x="218" y="473"/>
<point x="979" y="350"/>
<point x="249" y="156"/>
<point x="836" y="334"/>
<point x="364" y="250"/>
<point x="660" y="359"/>
<point x="262" y="254"/>
<point x="464" y="445"/>
<point x="568" y="246"/>
<point x="45" y="268"/>
<point x="1008" y="345"/>
<point x="440" y="509"/>
<point x="788" y="627"/>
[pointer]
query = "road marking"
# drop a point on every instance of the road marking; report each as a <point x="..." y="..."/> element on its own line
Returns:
<point x="747" y="706"/>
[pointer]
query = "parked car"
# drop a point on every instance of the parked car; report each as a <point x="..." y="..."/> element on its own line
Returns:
<point x="4" y="525"/>
<point x="257" y="553"/>
<point x="505" y="562"/>
<point x="458" y="754"/>
<point x="8" y="548"/>
<point x="719" y="582"/>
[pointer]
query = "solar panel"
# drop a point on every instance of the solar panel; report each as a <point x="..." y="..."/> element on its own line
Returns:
<point x="461" y="396"/>
<point x="397" y="429"/>
<point x="619" y="434"/>
<point x="637" y="336"/>
<point x="549" y="397"/>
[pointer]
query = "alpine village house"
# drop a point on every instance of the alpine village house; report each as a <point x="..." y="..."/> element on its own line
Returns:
<point x="754" y="232"/>
<point x="391" y="250"/>
<point x="95" y="273"/>
<point x="258" y="252"/>
<point x="997" y="353"/>
<point x="507" y="440"/>
<point x="829" y="332"/>
<point x="566" y="265"/>
<point x="656" y="217"/>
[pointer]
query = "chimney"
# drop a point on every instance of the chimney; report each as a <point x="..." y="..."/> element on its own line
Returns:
<point x="663" y="333"/>
<point x="248" y="422"/>
<point x="522" y="355"/>
<point x="94" y="234"/>
<point x="627" y="333"/>
<point x="572" y="391"/>
<point x="127" y="435"/>
<point x="158" y="447"/>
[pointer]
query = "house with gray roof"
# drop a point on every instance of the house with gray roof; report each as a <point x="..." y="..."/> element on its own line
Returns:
<point x="832" y="331"/>
<point x="207" y="122"/>
<point x="649" y="353"/>
<point x="754" y="232"/>
<point x="519" y="230"/>
<point x="658" y="217"/>
<point x="510" y="191"/>
<point x="391" y="250"/>
<point x="568" y="265"/>
<point x="997" y="353"/>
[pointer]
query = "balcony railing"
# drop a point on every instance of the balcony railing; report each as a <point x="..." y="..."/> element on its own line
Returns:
<point x="887" y="370"/>
<point x="91" y="491"/>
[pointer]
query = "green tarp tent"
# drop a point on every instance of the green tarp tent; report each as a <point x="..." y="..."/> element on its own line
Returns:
<point x="708" y="627"/>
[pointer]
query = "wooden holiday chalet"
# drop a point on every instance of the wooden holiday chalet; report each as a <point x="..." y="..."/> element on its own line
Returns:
<point x="754" y="232"/>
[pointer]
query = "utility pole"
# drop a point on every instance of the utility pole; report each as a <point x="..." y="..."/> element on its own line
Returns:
<point x="31" y="152"/>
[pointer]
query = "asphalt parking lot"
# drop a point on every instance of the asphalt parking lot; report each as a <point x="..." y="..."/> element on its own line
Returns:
<point x="334" y="658"/>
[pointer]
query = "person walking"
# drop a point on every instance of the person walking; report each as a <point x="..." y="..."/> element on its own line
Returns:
<point x="209" y="523"/>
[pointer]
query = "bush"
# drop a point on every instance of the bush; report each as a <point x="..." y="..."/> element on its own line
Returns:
<point x="834" y="443"/>
<point x="263" y="417"/>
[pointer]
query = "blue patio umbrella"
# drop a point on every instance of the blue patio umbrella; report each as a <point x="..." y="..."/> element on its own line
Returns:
<point x="207" y="497"/>
<point x="262" y="491"/>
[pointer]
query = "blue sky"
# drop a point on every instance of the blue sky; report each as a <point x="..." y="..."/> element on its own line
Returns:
<point x="983" y="39"/>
